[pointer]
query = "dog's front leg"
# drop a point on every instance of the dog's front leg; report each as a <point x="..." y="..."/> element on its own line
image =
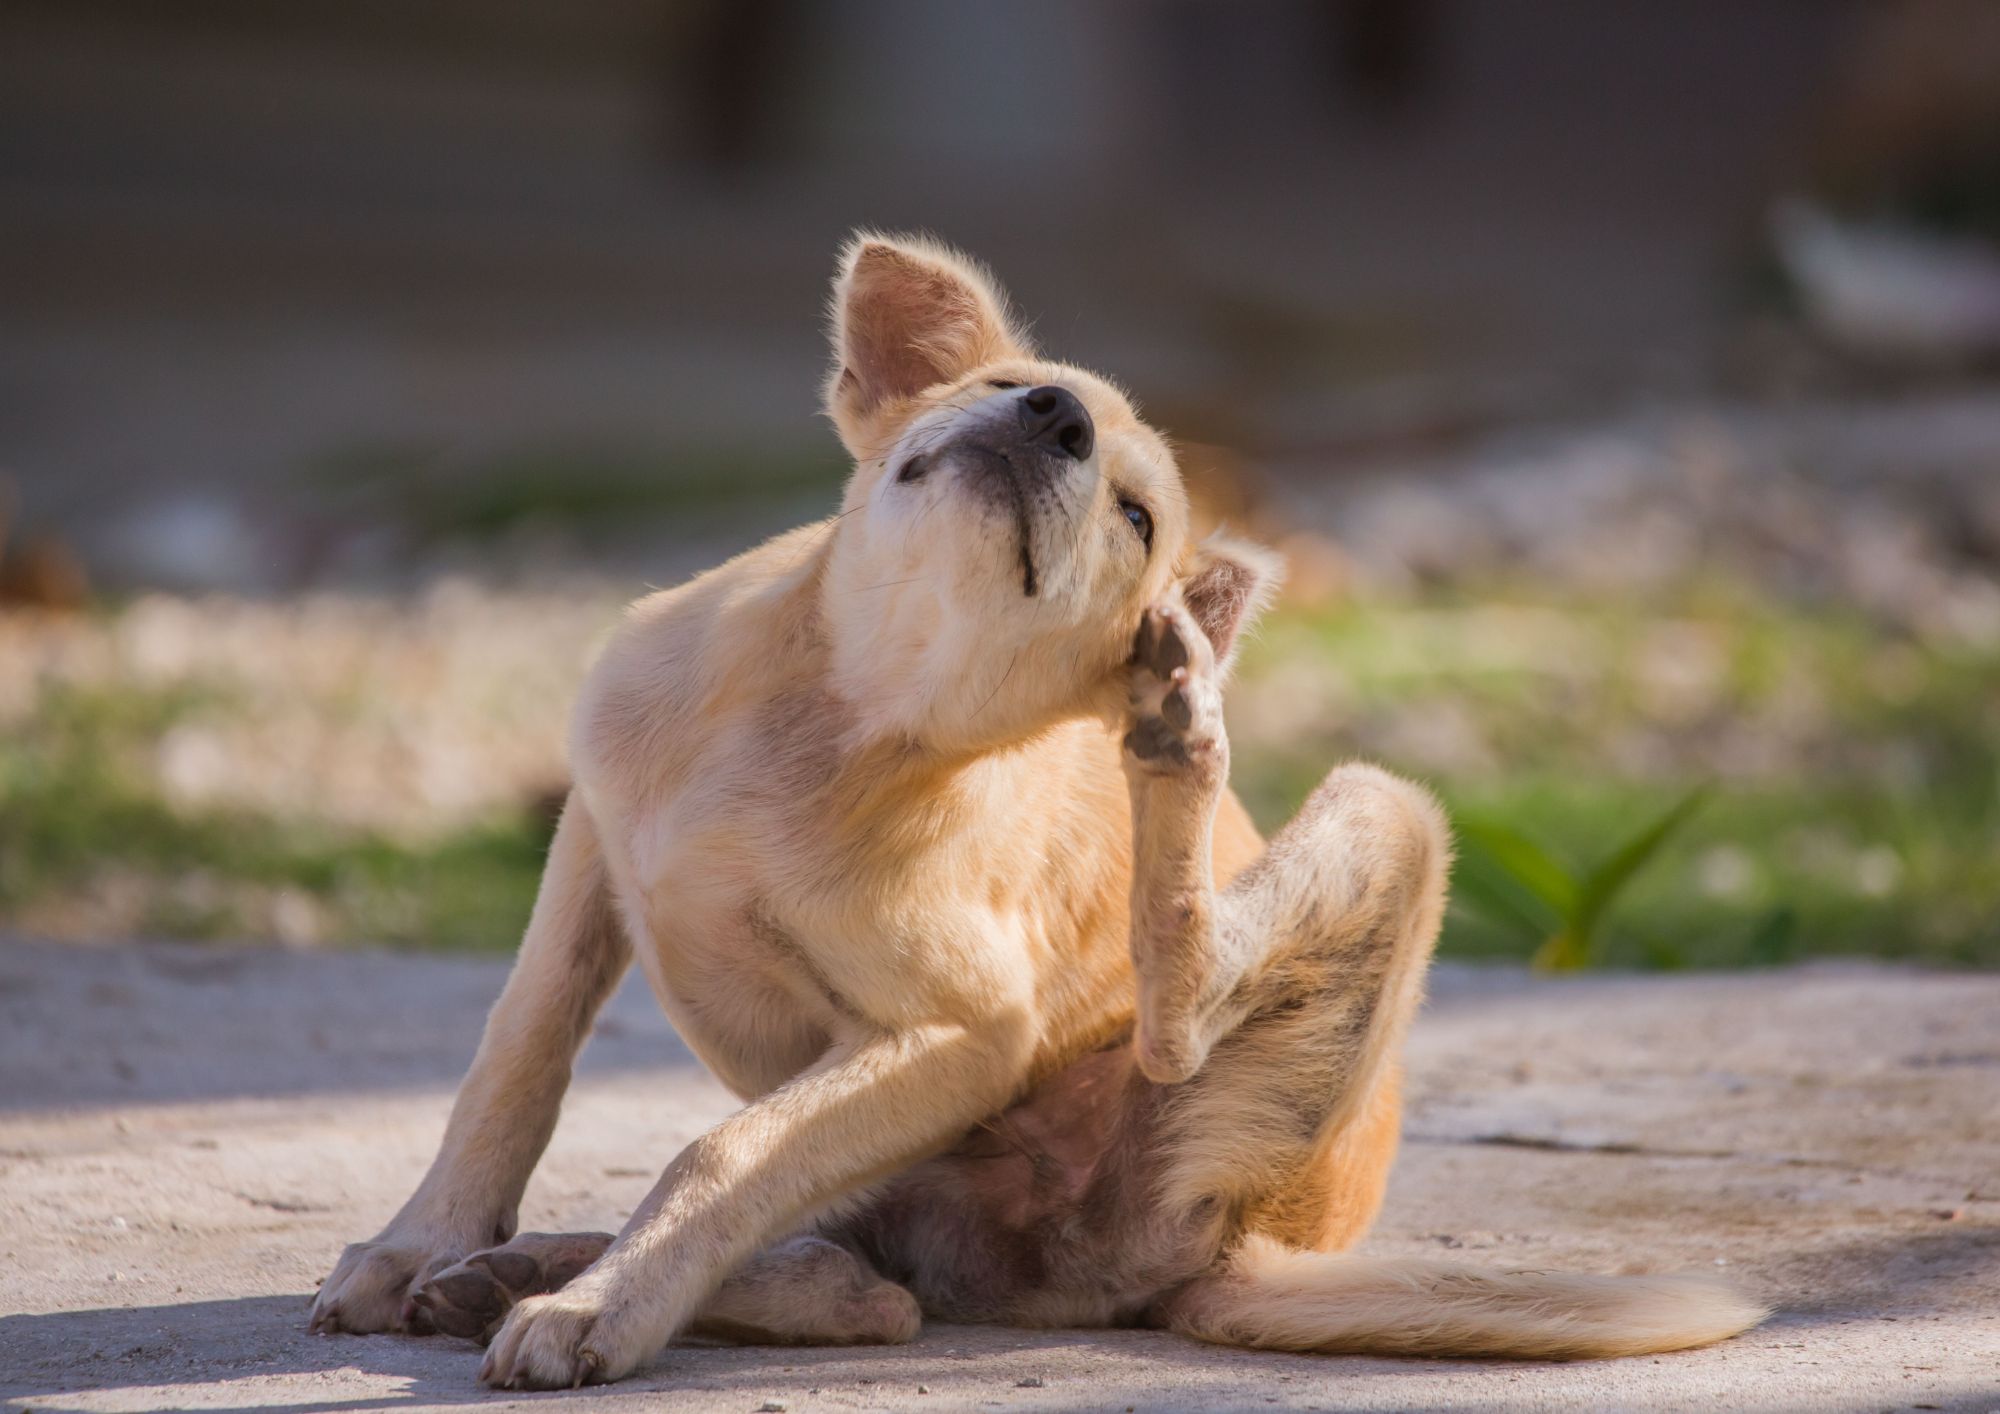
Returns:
<point x="876" y="1102"/>
<point x="573" y="954"/>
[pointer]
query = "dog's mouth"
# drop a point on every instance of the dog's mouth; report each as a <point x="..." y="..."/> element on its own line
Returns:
<point x="1022" y="528"/>
<point x="994" y="477"/>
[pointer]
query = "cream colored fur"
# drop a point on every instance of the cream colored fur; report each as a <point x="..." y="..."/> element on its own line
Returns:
<point x="1279" y="1298"/>
<point x="857" y="803"/>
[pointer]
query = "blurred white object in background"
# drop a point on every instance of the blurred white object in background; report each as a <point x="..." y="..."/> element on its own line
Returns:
<point x="192" y="541"/>
<point x="1891" y="289"/>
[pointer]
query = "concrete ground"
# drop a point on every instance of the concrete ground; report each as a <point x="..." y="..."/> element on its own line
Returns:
<point x="188" y="1136"/>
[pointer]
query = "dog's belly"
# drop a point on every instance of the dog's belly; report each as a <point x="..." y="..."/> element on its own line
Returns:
<point x="1045" y="1214"/>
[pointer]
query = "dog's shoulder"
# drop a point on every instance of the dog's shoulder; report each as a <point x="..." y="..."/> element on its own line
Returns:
<point x="687" y="660"/>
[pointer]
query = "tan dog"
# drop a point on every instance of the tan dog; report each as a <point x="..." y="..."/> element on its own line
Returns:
<point x="918" y="822"/>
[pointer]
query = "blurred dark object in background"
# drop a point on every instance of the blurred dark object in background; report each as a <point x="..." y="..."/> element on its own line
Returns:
<point x="1903" y="262"/>
<point x="250" y="248"/>
<point x="1913" y="123"/>
<point x="36" y="571"/>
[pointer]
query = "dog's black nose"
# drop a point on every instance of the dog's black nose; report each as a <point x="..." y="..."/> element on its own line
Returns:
<point x="1054" y="417"/>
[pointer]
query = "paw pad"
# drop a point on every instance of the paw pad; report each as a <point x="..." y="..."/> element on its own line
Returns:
<point x="1176" y="699"/>
<point x="471" y="1299"/>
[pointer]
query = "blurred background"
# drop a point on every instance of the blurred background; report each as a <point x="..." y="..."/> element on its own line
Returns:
<point x="1623" y="382"/>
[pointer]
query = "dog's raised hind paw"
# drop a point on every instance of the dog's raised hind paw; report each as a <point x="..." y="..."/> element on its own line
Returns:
<point x="1176" y="696"/>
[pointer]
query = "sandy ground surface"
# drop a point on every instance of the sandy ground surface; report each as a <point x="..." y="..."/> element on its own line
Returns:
<point x="188" y="1136"/>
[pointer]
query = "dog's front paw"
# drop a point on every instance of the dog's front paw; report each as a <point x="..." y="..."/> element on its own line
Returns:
<point x="1176" y="697"/>
<point x="472" y="1298"/>
<point x="371" y="1284"/>
<point x="572" y="1337"/>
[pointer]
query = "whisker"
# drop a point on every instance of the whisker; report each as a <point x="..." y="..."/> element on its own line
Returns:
<point x="928" y="440"/>
<point x="917" y="524"/>
<point x="1000" y="684"/>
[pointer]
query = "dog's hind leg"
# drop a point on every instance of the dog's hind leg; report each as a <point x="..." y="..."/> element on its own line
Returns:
<point x="1292" y="1118"/>
<point x="1283" y="1001"/>
<point x="805" y="1291"/>
<point x="573" y="954"/>
<point x="1280" y="1001"/>
<point x="809" y="1291"/>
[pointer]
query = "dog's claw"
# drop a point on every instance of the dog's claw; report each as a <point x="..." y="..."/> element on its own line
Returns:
<point x="414" y="1318"/>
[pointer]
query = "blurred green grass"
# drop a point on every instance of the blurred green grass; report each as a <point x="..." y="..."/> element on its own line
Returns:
<point x="79" y="819"/>
<point x="1853" y="775"/>
<point x="1853" y="772"/>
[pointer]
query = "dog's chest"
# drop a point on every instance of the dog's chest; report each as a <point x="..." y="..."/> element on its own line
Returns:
<point x="736" y="994"/>
<point x="766" y="939"/>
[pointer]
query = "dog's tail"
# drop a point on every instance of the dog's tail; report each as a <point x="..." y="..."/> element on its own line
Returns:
<point x="1279" y="1298"/>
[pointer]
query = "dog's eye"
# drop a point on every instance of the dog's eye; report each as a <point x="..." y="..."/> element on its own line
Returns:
<point x="1140" y="519"/>
<point x="1002" y="384"/>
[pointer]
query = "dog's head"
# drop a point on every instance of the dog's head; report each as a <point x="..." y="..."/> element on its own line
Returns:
<point x="1008" y="520"/>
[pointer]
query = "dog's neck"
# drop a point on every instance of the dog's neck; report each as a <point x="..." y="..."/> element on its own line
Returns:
<point x="911" y="668"/>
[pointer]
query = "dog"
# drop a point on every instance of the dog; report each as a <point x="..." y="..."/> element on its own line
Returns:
<point x="918" y="821"/>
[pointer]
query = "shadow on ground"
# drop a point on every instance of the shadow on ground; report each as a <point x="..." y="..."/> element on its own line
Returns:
<point x="264" y="1338"/>
<point x="1907" y="1280"/>
<point x="169" y="1022"/>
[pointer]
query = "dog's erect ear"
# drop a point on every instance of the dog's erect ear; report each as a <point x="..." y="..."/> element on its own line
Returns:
<point x="1227" y="585"/>
<point x="908" y="314"/>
